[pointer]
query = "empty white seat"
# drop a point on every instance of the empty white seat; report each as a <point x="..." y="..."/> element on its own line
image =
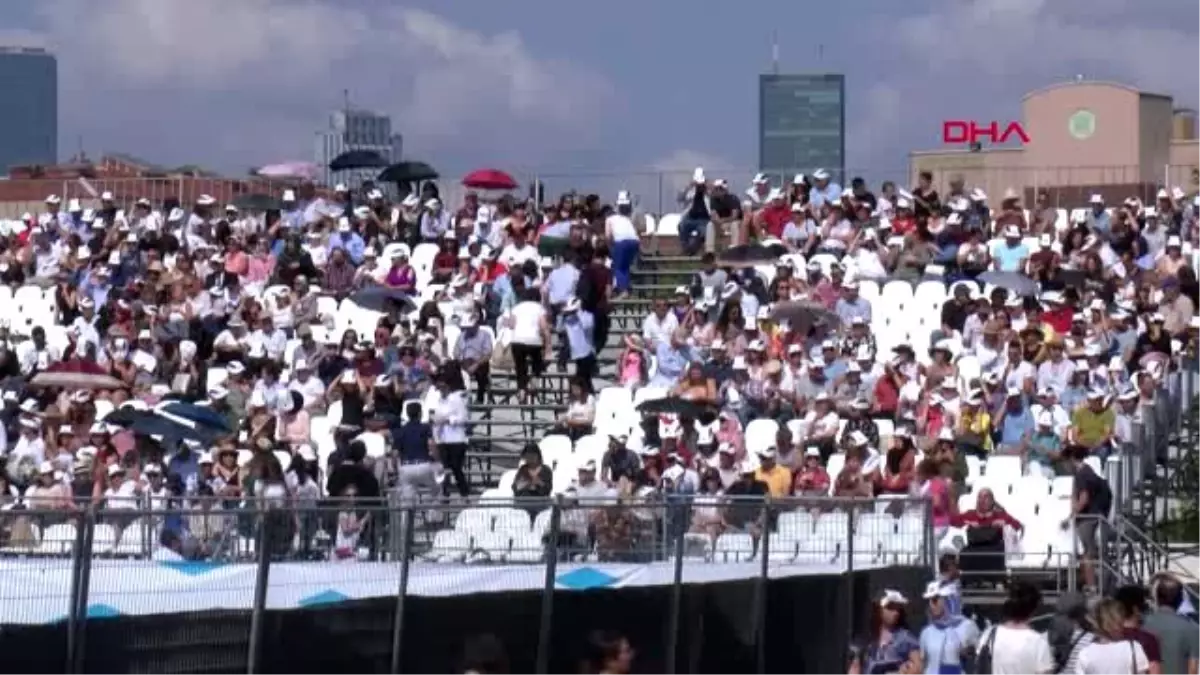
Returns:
<point x="450" y="545"/>
<point x="613" y="405"/>
<point x="104" y="538"/>
<point x="527" y="547"/>
<point x="494" y="546"/>
<point x="496" y="498"/>
<point x="781" y="548"/>
<point x="1003" y="468"/>
<point x="554" y="448"/>
<point x="475" y="520"/>
<point x="511" y="521"/>
<point x="734" y="547"/>
<point x="541" y="524"/>
<point x="797" y="524"/>
<point x="760" y="435"/>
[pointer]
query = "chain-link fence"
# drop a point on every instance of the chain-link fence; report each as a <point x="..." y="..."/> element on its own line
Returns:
<point x="112" y="588"/>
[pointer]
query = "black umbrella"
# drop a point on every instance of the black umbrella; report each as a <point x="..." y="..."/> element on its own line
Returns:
<point x="675" y="405"/>
<point x="407" y="172"/>
<point x="805" y="316"/>
<point x="378" y="298"/>
<point x="749" y="255"/>
<point x="257" y="202"/>
<point x="1014" y="282"/>
<point x="358" y="159"/>
<point x="149" y="423"/>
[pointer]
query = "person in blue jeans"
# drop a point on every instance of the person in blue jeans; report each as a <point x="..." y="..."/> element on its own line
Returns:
<point x="623" y="240"/>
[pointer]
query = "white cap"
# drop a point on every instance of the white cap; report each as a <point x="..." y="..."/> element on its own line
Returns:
<point x="205" y="458"/>
<point x="289" y="195"/>
<point x="1096" y="198"/>
<point x="45" y="468"/>
<point x="820" y="174"/>
<point x="53" y="199"/>
<point x="623" y="198"/>
<point x="698" y="175"/>
<point x="739" y="363"/>
<point x="116" y="470"/>
<point x="935" y="589"/>
<point x="205" y="200"/>
<point x="1012" y="232"/>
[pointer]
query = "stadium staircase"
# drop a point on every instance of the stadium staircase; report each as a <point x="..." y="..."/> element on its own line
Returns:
<point x="502" y="426"/>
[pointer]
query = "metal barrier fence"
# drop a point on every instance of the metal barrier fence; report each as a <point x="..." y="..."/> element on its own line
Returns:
<point x="90" y="558"/>
<point x="655" y="190"/>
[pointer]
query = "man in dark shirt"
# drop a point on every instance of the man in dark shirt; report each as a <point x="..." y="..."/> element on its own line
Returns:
<point x="862" y="195"/>
<point x="925" y="197"/>
<point x="414" y="448"/>
<point x="956" y="310"/>
<point x="746" y="495"/>
<point x="619" y="461"/>
<point x="1091" y="500"/>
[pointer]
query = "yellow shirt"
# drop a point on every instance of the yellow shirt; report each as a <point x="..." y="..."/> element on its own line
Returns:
<point x="778" y="480"/>
<point x="980" y="423"/>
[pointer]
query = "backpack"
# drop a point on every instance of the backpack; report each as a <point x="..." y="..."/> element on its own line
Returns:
<point x="983" y="661"/>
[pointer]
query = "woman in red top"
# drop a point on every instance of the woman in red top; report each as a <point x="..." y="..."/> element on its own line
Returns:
<point x="812" y="479"/>
<point x="987" y="513"/>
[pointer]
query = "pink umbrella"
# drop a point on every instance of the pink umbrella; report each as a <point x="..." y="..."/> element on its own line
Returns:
<point x="306" y="170"/>
<point x="489" y="179"/>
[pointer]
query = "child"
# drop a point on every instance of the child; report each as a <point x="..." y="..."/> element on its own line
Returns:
<point x="349" y="528"/>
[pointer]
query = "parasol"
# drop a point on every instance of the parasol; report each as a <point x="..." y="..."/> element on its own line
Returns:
<point x="407" y="172"/>
<point x="750" y="255"/>
<point x="288" y="170"/>
<point x="358" y="159"/>
<point x="804" y="317"/>
<point x="676" y="405"/>
<point x="378" y="298"/>
<point x="489" y="179"/>
<point x="76" y="374"/>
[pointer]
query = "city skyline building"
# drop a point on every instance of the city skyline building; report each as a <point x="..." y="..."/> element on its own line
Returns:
<point x="802" y="123"/>
<point x="355" y="129"/>
<point x="28" y="121"/>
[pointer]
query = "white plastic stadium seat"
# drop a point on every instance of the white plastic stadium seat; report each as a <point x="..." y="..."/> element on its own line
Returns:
<point x="475" y="520"/>
<point x="422" y="263"/>
<point x="511" y="521"/>
<point x="668" y="225"/>
<point x="613" y="405"/>
<point x="450" y="546"/>
<point x="760" y="435"/>
<point x="527" y="547"/>
<point x="490" y="547"/>
<point x="734" y="547"/>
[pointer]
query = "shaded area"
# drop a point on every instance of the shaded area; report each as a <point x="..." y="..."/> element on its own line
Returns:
<point x="808" y="620"/>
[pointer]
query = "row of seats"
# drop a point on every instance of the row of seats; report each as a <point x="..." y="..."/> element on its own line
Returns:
<point x="135" y="539"/>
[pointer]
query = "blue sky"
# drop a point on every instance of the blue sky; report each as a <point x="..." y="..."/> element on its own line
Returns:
<point x="572" y="87"/>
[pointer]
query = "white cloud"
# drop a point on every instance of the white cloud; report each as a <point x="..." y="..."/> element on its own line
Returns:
<point x="263" y="74"/>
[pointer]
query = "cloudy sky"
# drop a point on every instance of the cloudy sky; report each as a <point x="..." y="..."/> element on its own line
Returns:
<point x="571" y="87"/>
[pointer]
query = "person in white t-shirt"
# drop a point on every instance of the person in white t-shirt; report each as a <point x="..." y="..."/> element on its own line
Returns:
<point x="1013" y="646"/>
<point x="623" y="243"/>
<point x="1111" y="651"/>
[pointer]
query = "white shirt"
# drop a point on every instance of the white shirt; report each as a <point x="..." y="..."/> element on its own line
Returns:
<point x="1055" y="375"/>
<point x="656" y="330"/>
<point x="450" y="419"/>
<point x="527" y="322"/>
<point x="1057" y="413"/>
<point x="621" y="227"/>
<point x="1019" y="373"/>
<point x="512" y="256"/>
<point x="124" y="497"/>
<point x="1126" y="656"/>
<point x="312" y="389"/>
<point x="1018" y="651"/>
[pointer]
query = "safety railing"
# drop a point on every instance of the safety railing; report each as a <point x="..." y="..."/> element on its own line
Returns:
<point x="76" y="566"/>
<point x="658" y="190"/>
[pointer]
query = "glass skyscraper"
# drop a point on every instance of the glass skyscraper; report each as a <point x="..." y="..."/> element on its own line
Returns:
<point x="802" y="123"/>
<point x="355" y="130"/>
<point x="29" y="115"/>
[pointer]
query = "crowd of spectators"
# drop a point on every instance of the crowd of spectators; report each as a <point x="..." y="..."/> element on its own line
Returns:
<point x="257" y="316"/>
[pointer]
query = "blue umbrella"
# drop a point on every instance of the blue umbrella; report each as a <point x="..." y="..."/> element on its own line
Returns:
<point x="198" y="414"/>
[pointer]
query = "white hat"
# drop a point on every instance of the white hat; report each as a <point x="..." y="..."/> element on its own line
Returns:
<point x="205" y="458"/>
<point x="946" y="434"/>
<point x="1012" y="232"/>
<point x="891" y="597"/>
<point x="936" y="589"/>
<point x="623" y="198"/>
<point x="116" y="470"/>
<point x="343" y="224"/>
<point x="30" y="423"/>
<point x="756" y="346"/>
<point x="152" y="469"/>
<point x="289" y="195"/>
<point x="767" y="452"/>
<point x="348" y="377"/>
<point x="205" y="200"/>
<point x="1174" y="240"/>
<point x="698" y="175"/>
<point x="812" y="451"/>
<point x="1096" y="198"/>
<point x="978" y="195"/>
<point x="820" y="174"/>
<point x="217" y="392"/>
<point x="739" y="363"/>
<point x="74" y="206"/>
<point x="1163" y="194"/>
<point x="747" y="466"/>
<point x="53" y="199"/>
<point x="1046" y="241"/>
<point x="45" y="468"/>
<point x="1096" y="395"/>
<point x="307" y="453"/>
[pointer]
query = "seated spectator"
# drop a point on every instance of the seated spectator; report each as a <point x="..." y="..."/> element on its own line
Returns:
<point x="983" y="558"/>
<point x="534" y="479"/>
<point x="580" y="415"/>
<point x="851" y="481"/>
<point x="1092" y="425"/>
<point x="811" y="480"/>
<point x="744" y="510"/>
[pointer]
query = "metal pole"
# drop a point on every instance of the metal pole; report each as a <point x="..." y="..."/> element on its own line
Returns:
<point x="407" y="517"/>
<point x="850" y="599"/>
<point x="544" y="629"/>
<point x="84" y="538"/>
<point x="260" y="594"/>
<point x="676" y="592"/>
<point x="73" y="612"/>
<point x="760" y="591"/>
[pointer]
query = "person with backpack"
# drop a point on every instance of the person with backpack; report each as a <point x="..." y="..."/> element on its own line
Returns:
<point x="1069" y="632"/>
<point x="1091" y="502"/>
